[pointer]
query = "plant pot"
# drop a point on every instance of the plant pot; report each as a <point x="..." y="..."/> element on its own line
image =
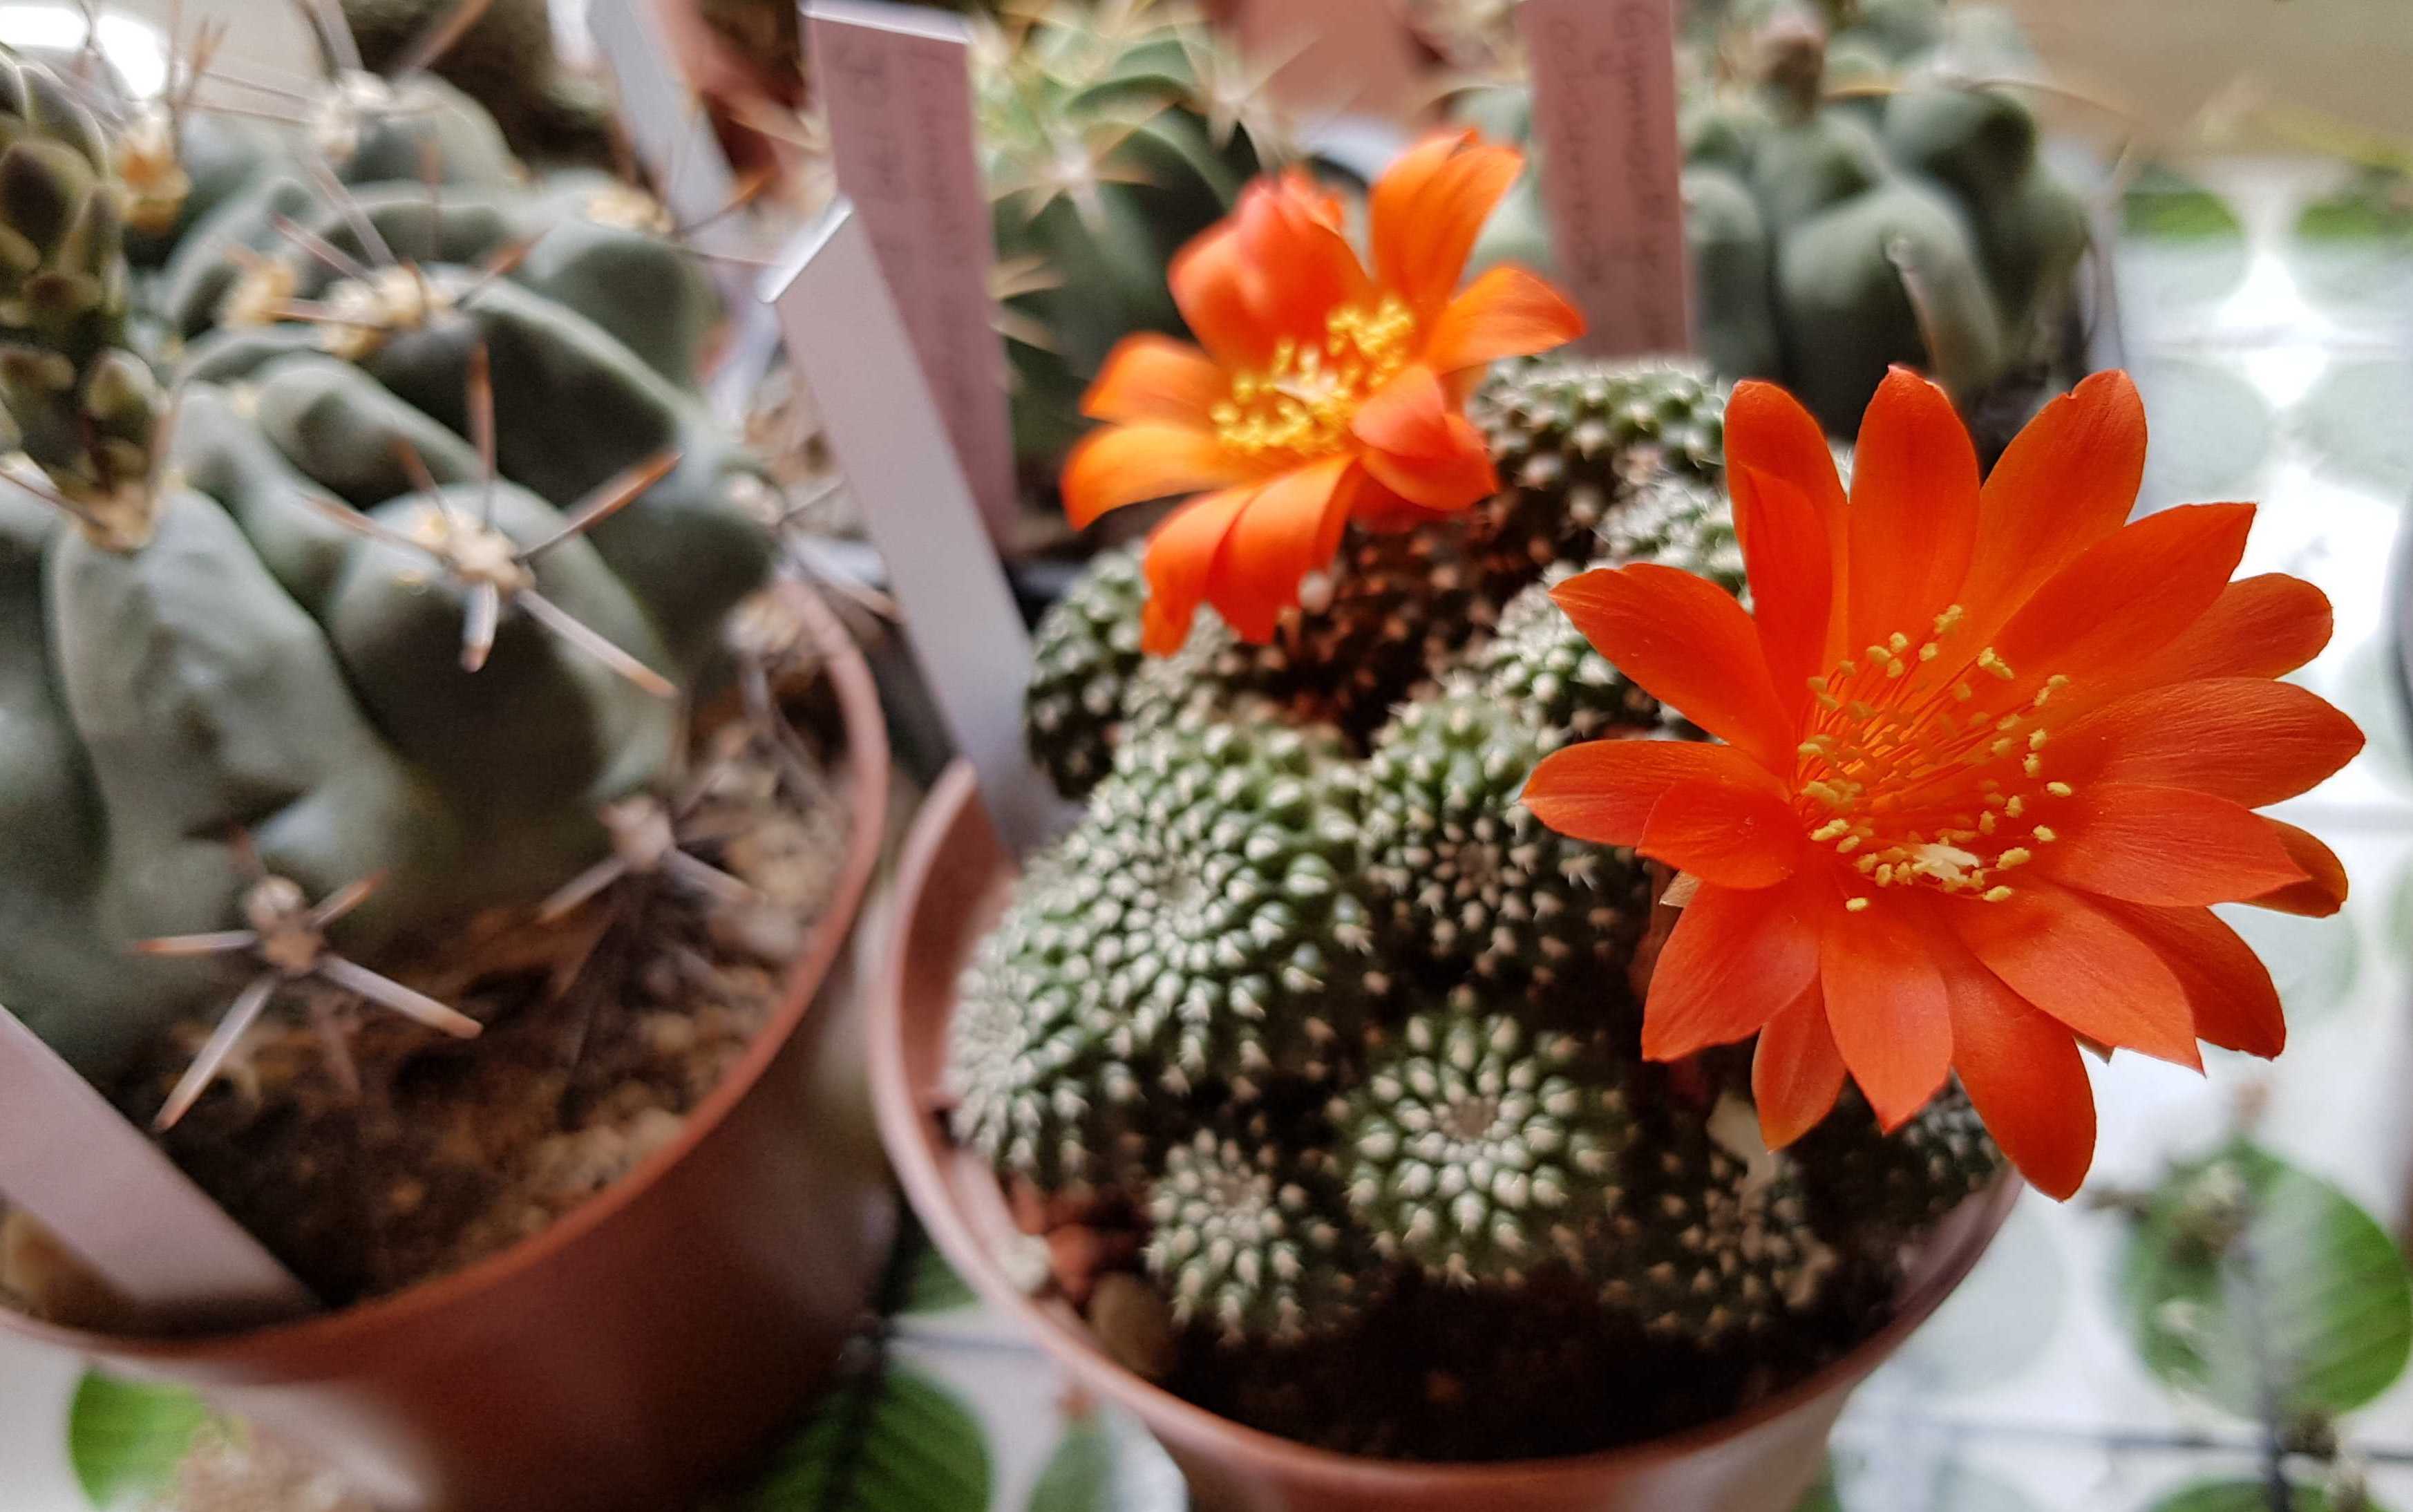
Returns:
<point x="629" y="1352"/>
<point x="951" y="888"/>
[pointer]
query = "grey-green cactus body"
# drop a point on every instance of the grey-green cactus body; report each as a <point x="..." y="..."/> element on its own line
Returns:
<point x="225" y="656"/>
<point x="1716" y="1248"/>
<point x="1890" y="1184"/>
<point x="1477" y="1149"/>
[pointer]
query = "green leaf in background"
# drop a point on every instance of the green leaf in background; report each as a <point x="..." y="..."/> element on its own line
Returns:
<point x="2180" y="242"/>
<point x="1079" y="1476"/>
<point x="2265" y="1289"/>
<point x="126" y="1438"/>
<point x="888" y="1439"/>
<point x="1822" y="1497"/>
<point x="2354" y="246"/>
<point x="2248" y="1496"/>
<point x="931" y="1285"/>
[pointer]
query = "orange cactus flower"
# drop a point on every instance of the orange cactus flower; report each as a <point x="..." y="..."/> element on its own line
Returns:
<point x="1988" y="755"/>
<point x="1323" y="390"/>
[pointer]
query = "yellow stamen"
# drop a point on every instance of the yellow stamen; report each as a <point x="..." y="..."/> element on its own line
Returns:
<point x="1995" y="895"/>
<point x="1856" y="905"/>
<point x="2059" y="790"/>
<point x="2044" y="834"/>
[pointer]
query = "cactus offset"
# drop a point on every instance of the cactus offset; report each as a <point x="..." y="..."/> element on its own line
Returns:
<point x="1251" y="1241"/>
<point x="435" y="534"/>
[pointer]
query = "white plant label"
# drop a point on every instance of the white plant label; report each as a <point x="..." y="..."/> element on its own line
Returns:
<point x="106" y="1192"/>
<point x="1605" y="128"/>
<point x="848" y="342"/>
<point x="896" y="83"/>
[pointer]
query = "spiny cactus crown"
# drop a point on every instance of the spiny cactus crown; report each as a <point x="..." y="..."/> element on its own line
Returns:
<point x="442" y="524"/>
<point x="1249" y="1242"/>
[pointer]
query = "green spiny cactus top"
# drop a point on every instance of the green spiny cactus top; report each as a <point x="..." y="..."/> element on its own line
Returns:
<point x="346" y="627"/>
<point x="1251" y="1241"/>
<point x="1112" y="134"/>
<point x="1477" y="1149"/>
<point x="1464" y="875"/>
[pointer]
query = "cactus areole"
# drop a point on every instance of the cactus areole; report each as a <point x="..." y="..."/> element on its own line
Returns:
<point x="1536" y="969"/>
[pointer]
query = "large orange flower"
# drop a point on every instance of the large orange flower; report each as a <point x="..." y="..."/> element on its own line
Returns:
<point x="1323" y="390"/>
<point x="1987" y="756"/>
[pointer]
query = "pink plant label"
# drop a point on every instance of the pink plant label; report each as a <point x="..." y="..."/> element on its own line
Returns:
<point x="1605" y="127"/>
<point x="107" y="1192"/>
<point x="896" y="82"/>
<point x="846" y="338"/>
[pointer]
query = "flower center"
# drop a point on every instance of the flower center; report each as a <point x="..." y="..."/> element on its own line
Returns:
<point x="1917" y="778"/>
<point x="1303" y="401"/>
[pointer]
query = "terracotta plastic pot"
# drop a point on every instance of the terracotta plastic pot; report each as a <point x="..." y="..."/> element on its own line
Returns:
<point x="951" y="888"/>
<point x="631" y="1352"/>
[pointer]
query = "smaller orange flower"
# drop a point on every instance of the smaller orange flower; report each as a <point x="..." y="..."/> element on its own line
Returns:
<point x="1323" y="392"/>
<point x="1990" y="755"/>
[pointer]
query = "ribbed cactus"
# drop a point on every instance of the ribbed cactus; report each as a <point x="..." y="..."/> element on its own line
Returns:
<point x="1858" y="193"/>
<point x="1112" y="133"/>
<point x="439" y="528"/>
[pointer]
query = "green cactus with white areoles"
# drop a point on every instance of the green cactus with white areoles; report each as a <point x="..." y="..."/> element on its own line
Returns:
<point x="81" y="404"/>
<point x="1208" y="896"/>
<point x="1861" y="1177"/>
<point x="408" y="601"/>
<point x="1251" y="1240"/>
<point x="1083" y="658"/>
<point x="1462" y="872"/>
<point x="1540" y="663"/>
<point x="1575" y="440"/>
<point x="1715" y="1249"/>
<point x="1035" y="1087"/>
<point x="1111" y="134"/>
<point x="1477" y="1149"/>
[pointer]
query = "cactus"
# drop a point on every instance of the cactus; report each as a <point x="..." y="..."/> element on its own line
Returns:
<point x="1477" y="1150"/>
<point x="1463" y="874"/>
<point x="1310" y="996"/>
<point x="1111" y="134"/>
<point x="503" y="56"/>
<point x="1854" y="202"/>
<point x="1204" y="901"/>
<point x="1902" y="1181"/>
<point x="1712" y="1251"/>
<point x="1251" y="1242"/>
<point x="399" y="600"/>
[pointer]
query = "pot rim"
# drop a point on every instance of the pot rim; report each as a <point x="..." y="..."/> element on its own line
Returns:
<point x="914" y="1134"/>
<point x="867" y="765"/>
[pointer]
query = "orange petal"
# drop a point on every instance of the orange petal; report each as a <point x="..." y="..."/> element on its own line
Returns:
<point x="1128" y="464"/>
<point x="1723" y="833"/>
<point x="1180" y="562"/>
<point x="1690" y="646"/>
<point x="2065" y="481"/>
<point x="2323" y="892"/>
<point x="2236" y="1006"/>
<point x="1421" y="448"/>
<point x="1736" y="959"/>
<point x="1289" y="529"/>
<point x="1913" y="512"/>
<point x="1886" y="1006"/>
<point x="1306" y="267"/>
<point x="1217" y="286"/>
<point x="2125" y="596"/>
<point x="1150" y="377"/>
<point x="2022" y="1072"/>
<point x="2259" y="626"/>
<point x="1768" y="429"/>
<point x="2242" y="738"/>
<point x="1796" y="1072"/>
<point x="1507" y="312"/>
<point x="1427" y="210"/>
<point x="1603" y="791"/>
<point x="2074" y="961"/>
<point x="2169" y="847"/>
<point x="1786" y="555"/>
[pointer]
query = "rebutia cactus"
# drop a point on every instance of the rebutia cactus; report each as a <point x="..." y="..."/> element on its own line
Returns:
<point x="397" y="587"/>
<point x="1579" y="444"/>
<point x="1313" y="998"/>
<point x="1112" y="134"/>
<point x="1855" y="199"/>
